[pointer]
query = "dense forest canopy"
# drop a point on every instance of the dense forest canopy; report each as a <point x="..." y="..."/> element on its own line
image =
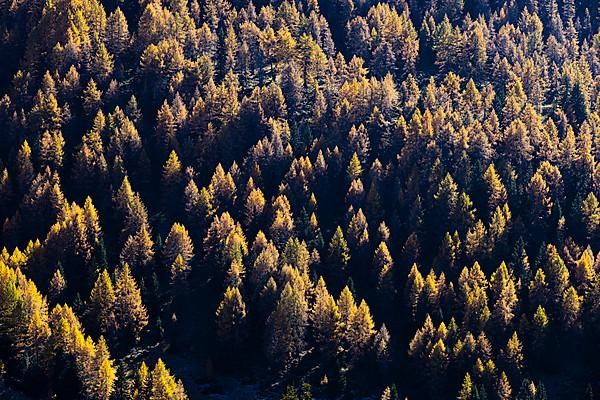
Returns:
<point x="298" y="199"/>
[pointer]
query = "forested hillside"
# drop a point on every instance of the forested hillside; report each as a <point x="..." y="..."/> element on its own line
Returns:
<point x="299" y="199"/>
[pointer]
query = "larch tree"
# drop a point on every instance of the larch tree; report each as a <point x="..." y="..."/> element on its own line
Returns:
<point x="254" y="205"/>
<point x="466" y="389"/>
<point x="57" y="286"/>
<point x="138" y="250"/>
<point x="496" y="191"/>
<point x="92" y="98"/>
<point x="324" y="318"/>
<point x="130" y="313"/>
<point x="101" y="303"/>
<point x="178" y="249"/>
<point x="360" y="331"/>
<point x="283" y="224"/>
<point x="163" y="386"/>
<point x="24" y="167"/>
<point x="540" y="325"/>
<point x="171" y="180"/>
<point x="570" y="307"/>
<point x="52" y="149"/>
<point x="117" y="34"/>
<point x="505" y="294"/>
<point x="354" y="170"/>
<point x="503" y="388"/>
<point x="287" y="327"/>
<point x="103" y="374"/>
<point x="231" y="318"/>
<point x="347" y="308"/>
<point x="590" y="215"/>
<point x="339" y="253"/>
<point x="383" y="262"/>
<point x="414" y="287"/>
<point x="558" y="274"/>
<point x="513" y="354"/>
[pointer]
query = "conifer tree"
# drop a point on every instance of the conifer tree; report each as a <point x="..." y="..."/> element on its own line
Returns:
<point x="503" y="389"/>
<point x="540" y="200"/>
<point x="142" y="382"/>
<point x="570" y="307"/>
<point x="179" y="270"/>
<point x="163" y="386"/>
<point x="540" y="324"/>
<point x="287" y="325"/>
<point x="558" y="274"/>
<point x="138" y="250"/>
<point x="117" y="34"/>
<point x="414" y="286"/>
<point x="347" y="308"/>
<point x="101" y="303"/>
<point x="590" y="215"/>
<point x="584" y="273"/>
<point x="282" y="227"/>
<point x="52" y="149"/>
<point x="178" y="244"/>
<point x="92" y="98"/>
<point x="354" y="170"/>
<point x="130" y="313"/>
<point x="24" y="167"/>
<point x="538" y="288"/>
<point x="45" y="113"/>
<point x="171" y="180"/>
<point x="231" y="318"/>
<point x="382" y="261"/>
<point x="102" y="63"/>
<point x="265" y="266"/>
<point x="505" y="293"/>
<point x="254" y="206"/>
<point x="339" y="254"/>
<point x="446" y="198"/>
<point x="466" y="390"/>
<point x="324" y="318"/>
<point x="496" y="191"/>
<point x="514" y="353"/>
<point x="57" y="286"/>
<point x="360" y="330"/>
<point x="103" y="375"/>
